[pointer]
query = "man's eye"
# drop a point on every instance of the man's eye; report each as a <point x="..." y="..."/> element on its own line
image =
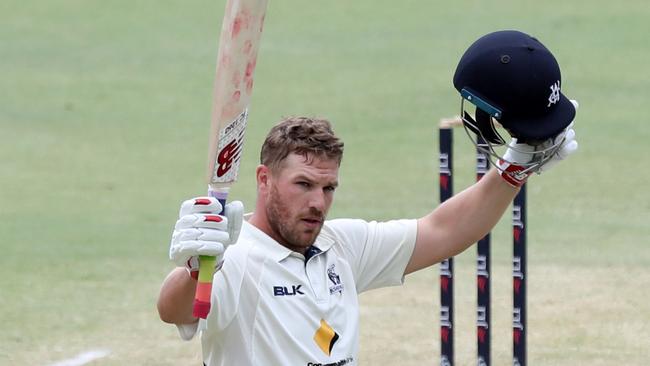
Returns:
<point x="304" y="184"/>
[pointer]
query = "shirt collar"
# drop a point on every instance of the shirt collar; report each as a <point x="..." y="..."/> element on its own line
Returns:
<point x="277" y="251"/>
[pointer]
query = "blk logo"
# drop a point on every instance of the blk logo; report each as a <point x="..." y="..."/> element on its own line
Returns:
<point x="285" y="291"/>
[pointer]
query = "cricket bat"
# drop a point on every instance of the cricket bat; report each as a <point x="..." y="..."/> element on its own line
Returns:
<point x="238" y="45"/>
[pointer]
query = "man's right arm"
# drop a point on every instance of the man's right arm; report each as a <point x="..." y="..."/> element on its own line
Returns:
<point x="176" y="298"/>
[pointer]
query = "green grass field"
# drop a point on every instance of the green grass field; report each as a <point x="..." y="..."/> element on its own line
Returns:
<point x="104" y="114"/>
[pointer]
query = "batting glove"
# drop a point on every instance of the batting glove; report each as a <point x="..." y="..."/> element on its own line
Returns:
<point x="521" y="159"/>
<point x="201" y="230"/>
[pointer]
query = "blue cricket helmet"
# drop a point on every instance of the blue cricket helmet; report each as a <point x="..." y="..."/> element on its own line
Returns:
<point x="512" y="77"/>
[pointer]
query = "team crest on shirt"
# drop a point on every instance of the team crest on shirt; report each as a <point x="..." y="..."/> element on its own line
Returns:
<point x="336" y="285"/>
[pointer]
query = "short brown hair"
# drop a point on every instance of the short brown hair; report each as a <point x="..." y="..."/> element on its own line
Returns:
<point x="310" y="137"/>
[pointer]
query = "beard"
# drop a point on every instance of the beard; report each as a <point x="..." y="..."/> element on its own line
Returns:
<point x="288" y="225"/>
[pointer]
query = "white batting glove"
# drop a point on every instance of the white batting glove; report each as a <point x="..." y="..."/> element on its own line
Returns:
<point x="521" y="160"/>
<point x="200" y="230"/>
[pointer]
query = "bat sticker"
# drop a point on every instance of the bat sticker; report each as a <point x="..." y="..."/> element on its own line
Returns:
<point x="231" y="142"/>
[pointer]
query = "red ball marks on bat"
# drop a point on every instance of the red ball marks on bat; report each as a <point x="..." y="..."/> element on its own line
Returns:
<point x="241" y="21"/>
<point x="201" y="202"/>
<point x="248" y="75"/>
<point x="236" y="95"/>
<point x="248" y="46"/>
<point x="225" y="61"/>
<point x="250" y="68"/>
<point x="236" y="79"/>
<point x="236" y="26"/>
<point x="213" y="218"/>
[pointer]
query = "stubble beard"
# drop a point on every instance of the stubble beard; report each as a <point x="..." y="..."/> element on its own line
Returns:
<point x="283" y="225"/>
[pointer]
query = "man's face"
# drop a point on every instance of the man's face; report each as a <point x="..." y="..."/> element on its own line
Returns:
<point x="300" y="194"/>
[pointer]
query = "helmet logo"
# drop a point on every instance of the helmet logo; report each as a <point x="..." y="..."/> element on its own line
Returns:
<point x="555" y="94"/>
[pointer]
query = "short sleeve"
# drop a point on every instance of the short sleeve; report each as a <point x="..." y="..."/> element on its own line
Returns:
<point x="378" y="251"/>
<point x="226" y="285"/>
<point x="226" y="289"/>
<point x="187" y="331"/>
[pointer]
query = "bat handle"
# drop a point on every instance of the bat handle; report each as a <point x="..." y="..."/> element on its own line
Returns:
<point x="202" y="296"/>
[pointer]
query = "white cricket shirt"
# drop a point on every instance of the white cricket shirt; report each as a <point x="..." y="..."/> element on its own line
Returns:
<point x="271" y="307"/>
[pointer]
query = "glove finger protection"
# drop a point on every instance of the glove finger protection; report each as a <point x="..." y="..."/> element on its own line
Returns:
<point x="203" y="220"/>
<point x="201" y="230"/>
<point x="200" y="205"/>
<point x="521" y="159"/>
<point x="568" y="147"/>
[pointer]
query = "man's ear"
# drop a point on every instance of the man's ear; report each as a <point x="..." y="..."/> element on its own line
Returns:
<point x="262" y="174"/>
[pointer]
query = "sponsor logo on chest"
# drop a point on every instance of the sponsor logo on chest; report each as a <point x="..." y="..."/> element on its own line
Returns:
<point x="286" y="291"/>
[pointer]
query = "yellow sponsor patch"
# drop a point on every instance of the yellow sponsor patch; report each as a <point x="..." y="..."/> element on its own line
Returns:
<point x="325" y="337"/>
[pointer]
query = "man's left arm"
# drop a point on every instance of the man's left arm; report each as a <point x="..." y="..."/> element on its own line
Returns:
<point x="460" y="221"/>
<point x="467" y="217"/>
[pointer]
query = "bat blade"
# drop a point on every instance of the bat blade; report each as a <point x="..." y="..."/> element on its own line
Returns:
<point x="236" y="60"/>
<point x="241" y="32"/>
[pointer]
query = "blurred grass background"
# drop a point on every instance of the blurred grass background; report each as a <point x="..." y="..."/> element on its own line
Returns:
<point x="104" y="114"/>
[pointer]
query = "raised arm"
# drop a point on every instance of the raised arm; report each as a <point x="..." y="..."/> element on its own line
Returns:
<point x="461" y="221"/>
<point x="511" y="78"/>
<point x="466" y="217"/>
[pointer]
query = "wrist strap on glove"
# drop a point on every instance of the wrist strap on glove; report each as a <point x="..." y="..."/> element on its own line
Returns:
<point x="192" y="267"/>
<point x="514" y="175"/>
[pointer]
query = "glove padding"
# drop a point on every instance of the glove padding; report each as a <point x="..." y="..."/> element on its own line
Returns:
<point x="521" y="159"/>
<point x="201" y="230"/>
